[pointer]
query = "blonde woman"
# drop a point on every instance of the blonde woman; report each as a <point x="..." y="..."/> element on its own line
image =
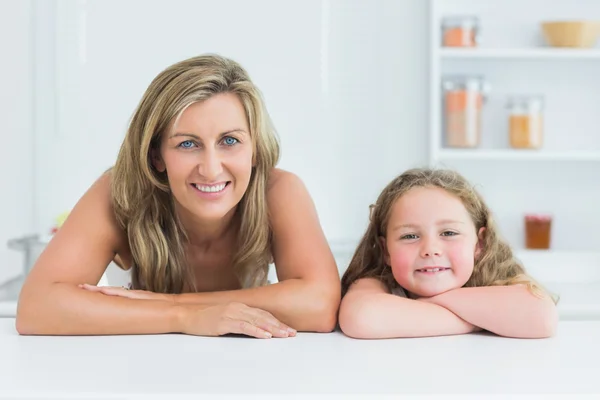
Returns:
<point x="432" y="263"/>
<point x="195" y="207"/>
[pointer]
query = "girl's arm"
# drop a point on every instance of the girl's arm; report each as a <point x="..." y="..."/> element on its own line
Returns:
<point x="370" y="311"/>
<point x="504" y="310"/>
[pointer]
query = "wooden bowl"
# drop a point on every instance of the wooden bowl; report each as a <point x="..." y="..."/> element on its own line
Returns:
<point x="571" y="33"/>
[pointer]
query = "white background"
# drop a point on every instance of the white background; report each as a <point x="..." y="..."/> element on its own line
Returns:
<point x="347" y="84"/>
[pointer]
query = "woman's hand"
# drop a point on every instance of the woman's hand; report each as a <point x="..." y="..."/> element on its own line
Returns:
<point x="238" y="318"/>
<point x="130" y="294"/>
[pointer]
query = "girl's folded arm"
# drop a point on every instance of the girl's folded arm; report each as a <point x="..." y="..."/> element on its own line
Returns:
<point x="504" y="310"/>
<point x="370" y="311"/>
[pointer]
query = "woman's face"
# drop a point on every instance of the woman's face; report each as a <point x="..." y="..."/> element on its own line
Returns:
<point x="207" y="156"/>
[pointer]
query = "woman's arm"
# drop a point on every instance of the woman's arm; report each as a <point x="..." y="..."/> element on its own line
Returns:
<point x="504" y="310"/>
<point x="370" y="311"/>
<point x="51" y="302"/>
<point x="308" y="293"/>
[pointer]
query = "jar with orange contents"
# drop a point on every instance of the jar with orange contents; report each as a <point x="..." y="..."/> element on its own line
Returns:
<point x="463" y="98"/>
<point x="525" y="126"/>
<point x="460" y="31"/>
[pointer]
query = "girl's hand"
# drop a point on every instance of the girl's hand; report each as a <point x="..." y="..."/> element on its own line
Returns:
<point x="130" y="294"/>
<point x="432" y="300"/>
<point x="238" y="318"/>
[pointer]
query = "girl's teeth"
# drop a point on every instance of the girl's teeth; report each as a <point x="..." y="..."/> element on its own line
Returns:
<point x="432" y="269"/>
<point x="210" y="189"/>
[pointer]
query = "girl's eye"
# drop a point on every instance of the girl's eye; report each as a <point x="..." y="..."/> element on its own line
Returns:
<point x="449" y="233"/>
<point x="409" y="236"/>
<point x="230" y="141"/>
<point x="188" y="144"/>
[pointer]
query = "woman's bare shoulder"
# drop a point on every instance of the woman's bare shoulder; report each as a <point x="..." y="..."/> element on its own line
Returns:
<point x="87" y="241"/>
<point x="280" y="179"/>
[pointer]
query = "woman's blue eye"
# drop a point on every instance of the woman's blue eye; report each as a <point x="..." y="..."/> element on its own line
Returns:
<point x="188" y="144"/>
<point x="409" y="236"/>
<point x="449" y="233"/>
<point x="230" y="141"/>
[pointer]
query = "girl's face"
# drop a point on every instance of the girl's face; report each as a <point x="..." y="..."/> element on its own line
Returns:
<point x="208" y="157"/>
<point x="431" y="243"/>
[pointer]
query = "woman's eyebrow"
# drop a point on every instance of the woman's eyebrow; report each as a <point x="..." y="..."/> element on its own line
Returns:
<point x="187" y="134"/>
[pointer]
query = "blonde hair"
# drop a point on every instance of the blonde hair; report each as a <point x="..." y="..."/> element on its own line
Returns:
<point x="495" y="266"/>
<point x="141" y="197"/>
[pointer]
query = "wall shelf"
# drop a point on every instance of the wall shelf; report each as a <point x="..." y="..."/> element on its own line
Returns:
<point x="506" y="40"/>
<point x="517" y="155"/>
<point x="524" y="53"/>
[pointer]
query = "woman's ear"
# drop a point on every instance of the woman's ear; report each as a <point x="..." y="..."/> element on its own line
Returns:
<point x="386" y="254"/>
<point x="157" y="160"/>
<point x="480" y="242"/>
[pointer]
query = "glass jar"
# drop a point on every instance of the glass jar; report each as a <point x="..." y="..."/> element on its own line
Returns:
<point x="460" y="31"/>
<point x="538" y="230"/>
<point x="525" y="126"/>
<point x="463" y="98"/>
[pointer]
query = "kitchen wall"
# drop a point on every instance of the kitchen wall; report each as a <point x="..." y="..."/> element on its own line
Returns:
<point x="346" y="82"/>
<point x="17" y="141"/>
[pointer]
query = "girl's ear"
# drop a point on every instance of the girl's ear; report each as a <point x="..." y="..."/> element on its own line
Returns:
<point x="157" y="160"/>
<point x="480" y="241"/>
<point x="386" y="254"/>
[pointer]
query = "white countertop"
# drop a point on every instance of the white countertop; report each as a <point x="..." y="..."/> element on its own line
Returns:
<point x="171" y="365"/>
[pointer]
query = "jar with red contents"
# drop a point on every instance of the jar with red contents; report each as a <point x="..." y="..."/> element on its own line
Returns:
<point x="538" y="229"/>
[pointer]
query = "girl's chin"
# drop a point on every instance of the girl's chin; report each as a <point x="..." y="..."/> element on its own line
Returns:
<point x="427" y="292"/>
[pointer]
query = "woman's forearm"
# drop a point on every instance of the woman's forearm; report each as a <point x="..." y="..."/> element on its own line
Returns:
<point x="382" y="315"/>
<point x="65" y="309"/>
<point x="300" y="304"/>
<point x="505" y="310"/>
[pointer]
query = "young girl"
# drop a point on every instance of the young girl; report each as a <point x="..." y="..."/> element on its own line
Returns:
<point x="432" y="263"/>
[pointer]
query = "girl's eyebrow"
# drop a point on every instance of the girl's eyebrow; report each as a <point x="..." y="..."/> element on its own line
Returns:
<point x="415" y="226"/>
<point x="449" y="221"/>
<point x="401" y="226"/>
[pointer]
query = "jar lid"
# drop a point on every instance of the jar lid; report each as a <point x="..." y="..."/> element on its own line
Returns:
<point x="469" y="82"/>
<point x="538" y="217"/>
<point x="460" y="21"/>
<point x="528" y="102"/>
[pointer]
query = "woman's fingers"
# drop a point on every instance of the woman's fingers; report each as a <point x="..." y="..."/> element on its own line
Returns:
<point x="239" y="318"/>
<point x="245" y="328"/>
<point x="267" y="322"/>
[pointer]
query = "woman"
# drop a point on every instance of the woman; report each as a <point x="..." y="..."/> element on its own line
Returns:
<point x="196" y="208"/>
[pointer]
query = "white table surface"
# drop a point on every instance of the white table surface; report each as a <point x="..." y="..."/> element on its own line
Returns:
<point x="171" y="365"/>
